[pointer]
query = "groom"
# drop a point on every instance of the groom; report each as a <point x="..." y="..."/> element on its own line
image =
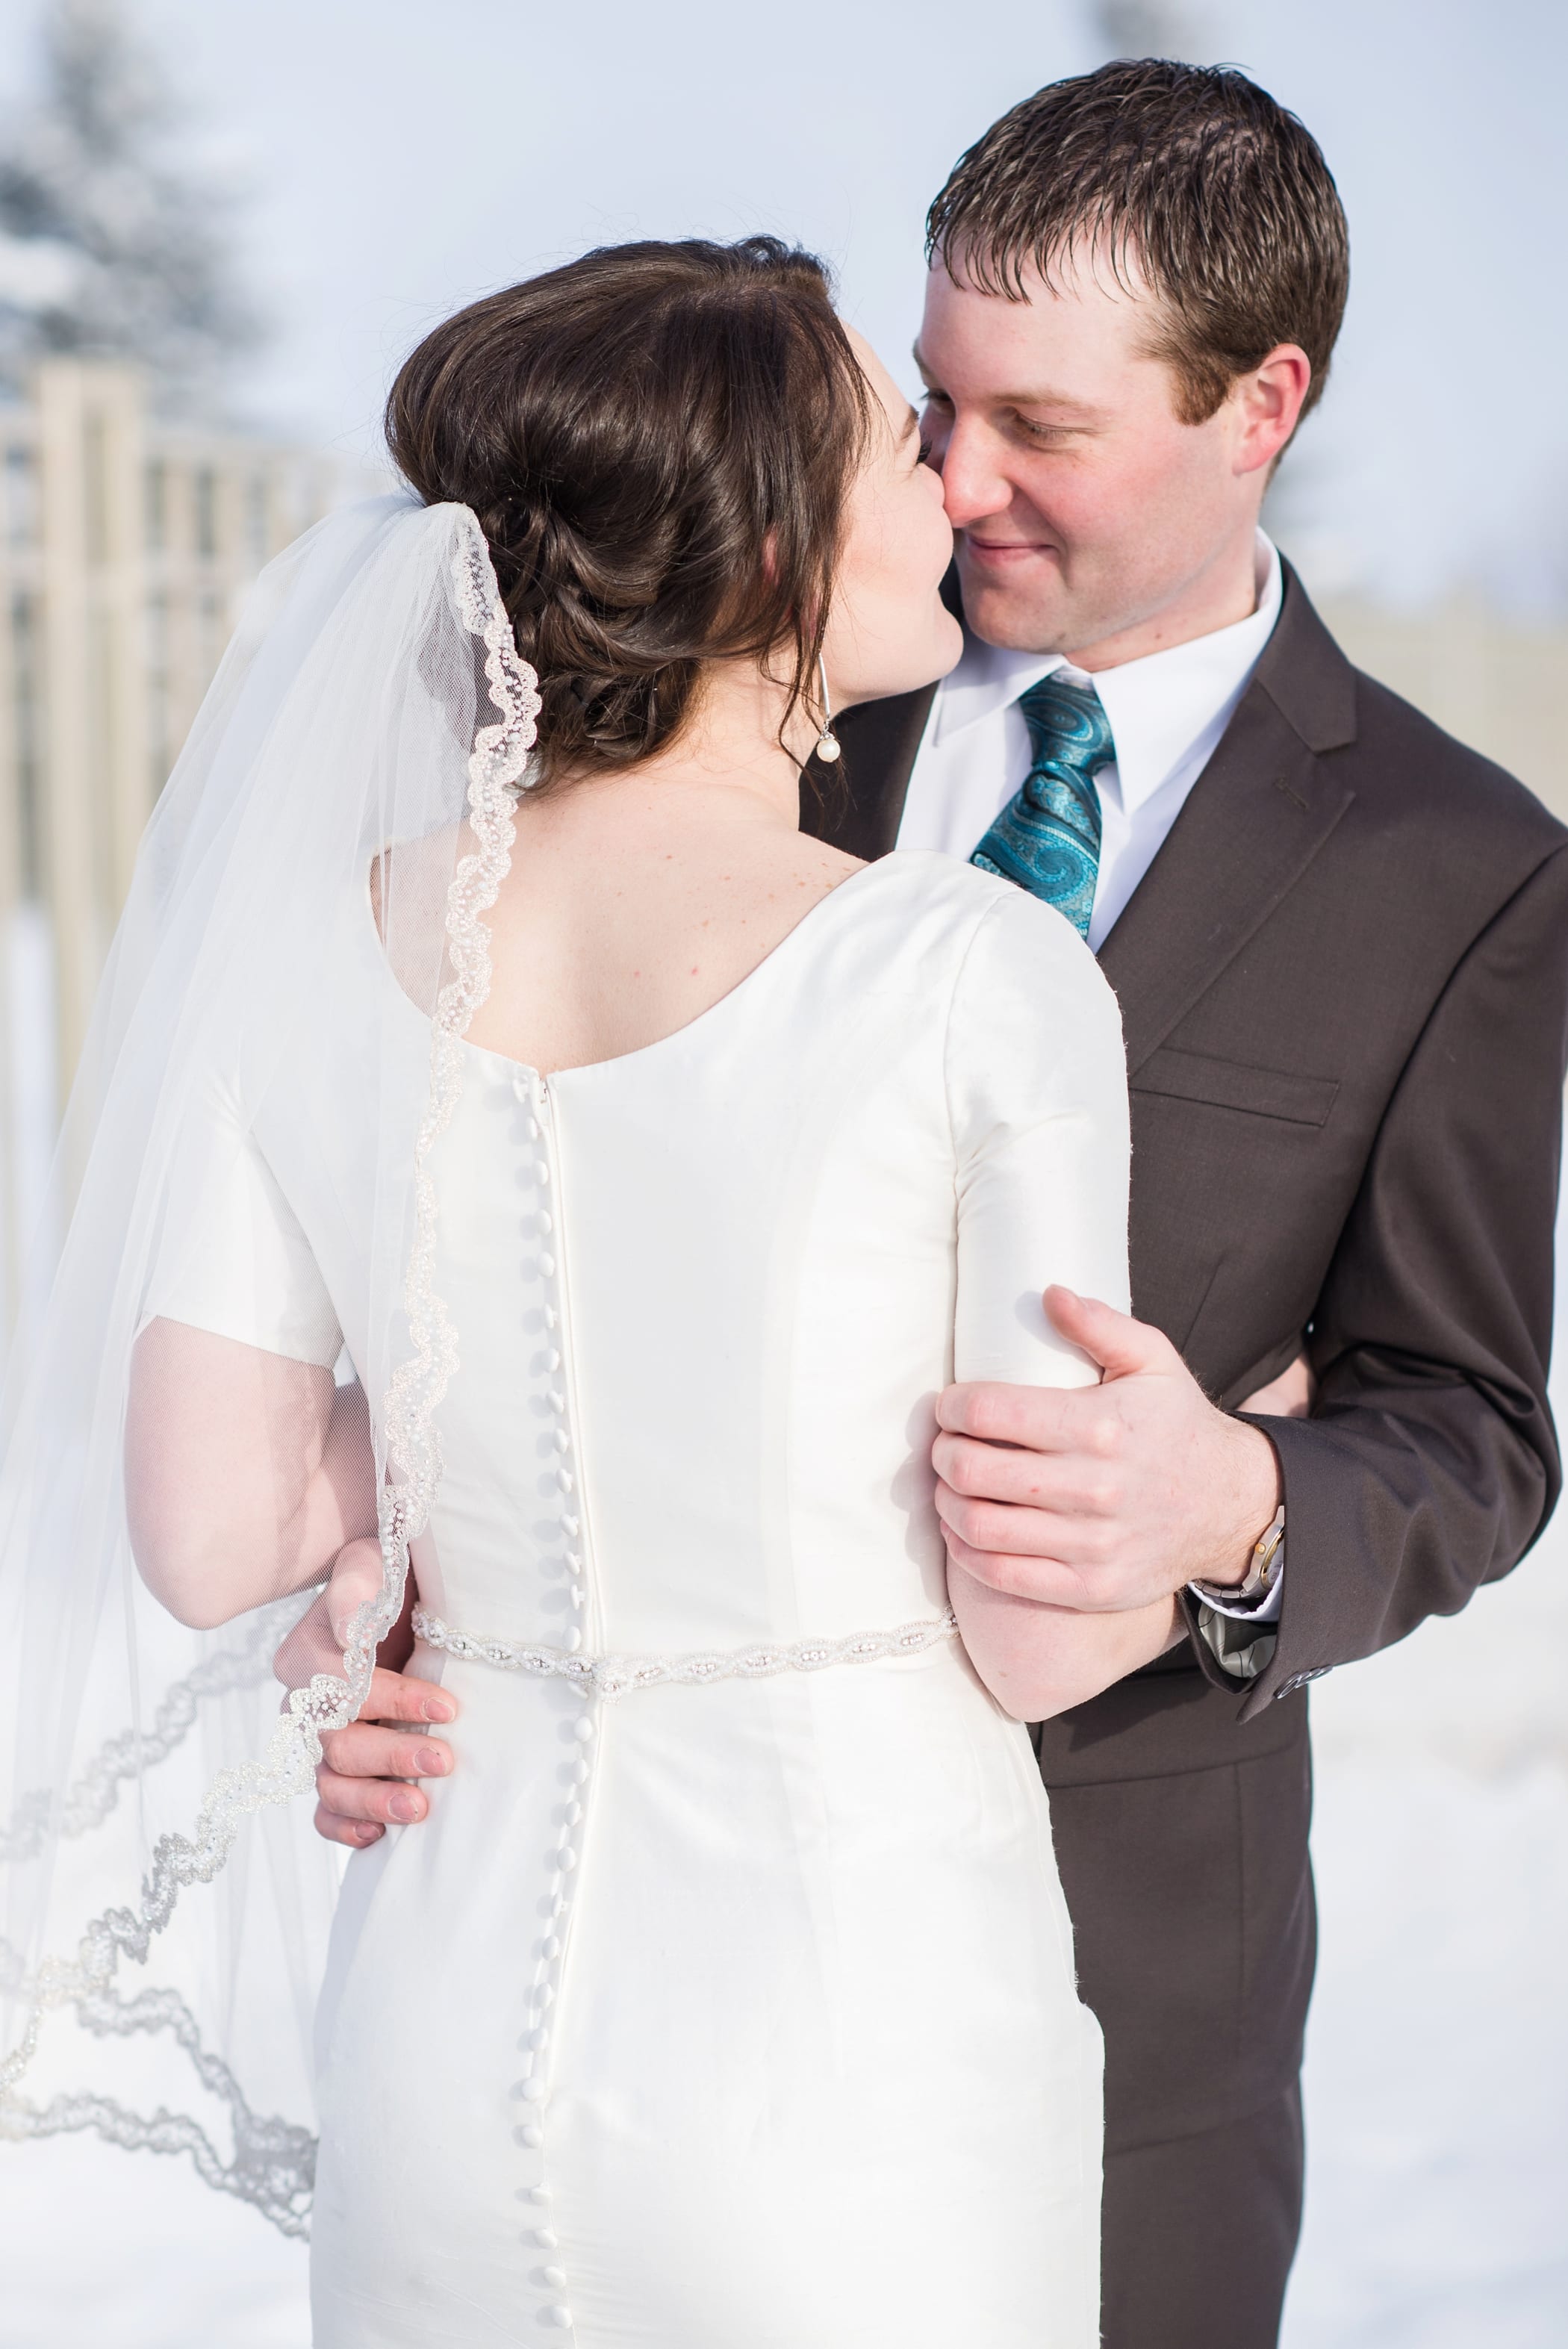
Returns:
<point x="1340" y="943"/>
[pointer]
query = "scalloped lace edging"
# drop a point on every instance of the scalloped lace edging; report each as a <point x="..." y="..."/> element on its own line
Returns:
<point x="274" y="2167"/>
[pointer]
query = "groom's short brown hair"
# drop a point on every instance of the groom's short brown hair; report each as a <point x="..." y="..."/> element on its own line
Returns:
<point x="1190" y="174"/>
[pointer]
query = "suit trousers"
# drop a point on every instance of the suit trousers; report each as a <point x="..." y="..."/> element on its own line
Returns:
<point x="1181" y="1836"/>
<point x="1200" y="2235"/>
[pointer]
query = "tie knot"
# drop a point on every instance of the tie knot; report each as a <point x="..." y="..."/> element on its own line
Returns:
<point x="1067" y="726"/>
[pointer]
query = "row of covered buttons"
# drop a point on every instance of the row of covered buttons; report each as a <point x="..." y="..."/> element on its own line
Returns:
<point x="532" y="2088"/>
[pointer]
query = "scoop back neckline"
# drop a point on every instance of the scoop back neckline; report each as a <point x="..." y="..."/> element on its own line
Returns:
<point x="876" y="866"/>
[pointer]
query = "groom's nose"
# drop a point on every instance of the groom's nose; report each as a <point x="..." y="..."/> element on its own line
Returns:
<point x="973" y="485"/>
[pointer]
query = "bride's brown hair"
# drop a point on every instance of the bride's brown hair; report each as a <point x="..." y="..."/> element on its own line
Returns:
<point x="658" y="441"/>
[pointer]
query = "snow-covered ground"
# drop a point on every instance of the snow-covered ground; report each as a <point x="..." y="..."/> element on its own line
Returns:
<point x="1437" y="2075"/>
<point x="1436" y="2070"/>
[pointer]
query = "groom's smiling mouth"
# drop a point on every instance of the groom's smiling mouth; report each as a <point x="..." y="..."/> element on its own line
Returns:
<point x="1005" y="554"/>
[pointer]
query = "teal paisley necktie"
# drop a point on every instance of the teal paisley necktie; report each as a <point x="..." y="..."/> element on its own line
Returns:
<point x="1046" y="838"/>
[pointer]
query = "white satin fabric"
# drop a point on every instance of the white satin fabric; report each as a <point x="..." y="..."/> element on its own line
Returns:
<point x="741" y="2014"/>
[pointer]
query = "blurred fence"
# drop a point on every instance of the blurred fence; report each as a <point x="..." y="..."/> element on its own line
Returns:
<point x="127" y="545"/>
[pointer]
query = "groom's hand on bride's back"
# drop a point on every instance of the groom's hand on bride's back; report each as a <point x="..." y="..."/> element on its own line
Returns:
<point x="363" y="1784"/>
<point x="1108" y="1497"/>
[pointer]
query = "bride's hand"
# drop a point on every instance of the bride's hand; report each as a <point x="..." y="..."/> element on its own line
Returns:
<point x="362" y="1784"/>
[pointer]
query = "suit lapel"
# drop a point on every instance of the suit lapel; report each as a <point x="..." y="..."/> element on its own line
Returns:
<point x="859" y="805"/>
<point x="1252" y="825"/>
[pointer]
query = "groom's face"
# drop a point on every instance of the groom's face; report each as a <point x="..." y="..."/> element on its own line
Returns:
<point x="1084" y="507"/>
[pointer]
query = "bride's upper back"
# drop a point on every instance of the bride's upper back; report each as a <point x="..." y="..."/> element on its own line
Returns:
<point x="709" y="517"/>
<point x="629" y="909"/>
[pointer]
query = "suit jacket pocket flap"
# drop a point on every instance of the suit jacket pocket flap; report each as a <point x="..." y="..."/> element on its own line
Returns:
<point x="1231" y="1084"/>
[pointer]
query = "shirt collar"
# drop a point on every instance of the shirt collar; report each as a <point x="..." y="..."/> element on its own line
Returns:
<point x="1159" y="706"/>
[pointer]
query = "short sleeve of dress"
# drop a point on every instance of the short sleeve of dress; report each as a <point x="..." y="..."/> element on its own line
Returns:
<point x="232" y="1256"/>
<point x="1037" y="1086"/>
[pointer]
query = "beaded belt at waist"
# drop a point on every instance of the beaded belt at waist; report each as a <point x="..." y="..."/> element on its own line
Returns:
<point x="615" y="1675"/>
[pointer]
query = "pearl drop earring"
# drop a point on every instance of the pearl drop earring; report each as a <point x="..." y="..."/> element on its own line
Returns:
<point x="828" y="746"/>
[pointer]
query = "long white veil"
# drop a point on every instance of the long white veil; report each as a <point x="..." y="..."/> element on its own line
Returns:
<point x="165" y="1898"/>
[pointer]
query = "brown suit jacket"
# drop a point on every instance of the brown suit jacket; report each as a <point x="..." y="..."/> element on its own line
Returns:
<point x="1344" y="983"/>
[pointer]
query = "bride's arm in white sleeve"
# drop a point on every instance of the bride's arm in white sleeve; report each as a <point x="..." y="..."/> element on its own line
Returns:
<point x="246" y="1468"/>
<point x="1037" y="1087"/>
<point x="246" y="1472"/>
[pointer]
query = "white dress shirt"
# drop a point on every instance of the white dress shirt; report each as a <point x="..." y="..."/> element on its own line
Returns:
<point x="1167" y="713"/>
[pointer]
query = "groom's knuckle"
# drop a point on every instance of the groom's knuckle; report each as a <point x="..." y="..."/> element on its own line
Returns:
<point x="336" y="1796"/>
<point x="993" y="1413"/>
<point x="998" y="1525"/>
<point x="965" y="1516"/>
<point x="979" y="1413"/>
<point x="958" y="1466"/>
<point x="976" y="1516"/>
<point x="1105" y="1435"/>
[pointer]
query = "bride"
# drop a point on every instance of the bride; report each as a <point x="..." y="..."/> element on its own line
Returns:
<point x="556" y="1173"/>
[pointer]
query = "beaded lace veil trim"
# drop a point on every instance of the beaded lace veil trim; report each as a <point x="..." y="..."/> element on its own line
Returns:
<point x="274" y="2164"/>
<point x="122" y="1759"/>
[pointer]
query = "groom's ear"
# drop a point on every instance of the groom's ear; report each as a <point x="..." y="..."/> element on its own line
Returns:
<point x="1267" y="403"/>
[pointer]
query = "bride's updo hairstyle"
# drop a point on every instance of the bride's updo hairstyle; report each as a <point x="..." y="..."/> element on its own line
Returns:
<point x="658" y="441"/>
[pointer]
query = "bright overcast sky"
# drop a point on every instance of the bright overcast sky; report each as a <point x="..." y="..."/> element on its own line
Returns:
<point x="406" y="155"/>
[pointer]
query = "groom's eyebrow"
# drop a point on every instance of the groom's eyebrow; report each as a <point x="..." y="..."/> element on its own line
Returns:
<point x="1060" y="400"/>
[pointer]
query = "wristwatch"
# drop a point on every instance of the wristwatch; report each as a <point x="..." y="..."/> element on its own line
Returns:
<point x="1267" y="1565"/>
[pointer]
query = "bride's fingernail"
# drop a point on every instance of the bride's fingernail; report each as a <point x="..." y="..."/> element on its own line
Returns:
<point x="440" y="1708"/>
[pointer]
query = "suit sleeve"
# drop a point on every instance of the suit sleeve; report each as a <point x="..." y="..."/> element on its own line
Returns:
<point x="1430" y="1463"/>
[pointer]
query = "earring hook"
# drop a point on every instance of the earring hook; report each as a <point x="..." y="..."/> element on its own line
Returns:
<point x="827" y="745"/>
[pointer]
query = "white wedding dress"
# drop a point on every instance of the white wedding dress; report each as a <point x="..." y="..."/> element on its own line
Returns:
<point x="720" y="2004"/>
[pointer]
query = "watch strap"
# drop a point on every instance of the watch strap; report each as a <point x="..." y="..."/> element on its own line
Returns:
<point x="1263" y="1571"/>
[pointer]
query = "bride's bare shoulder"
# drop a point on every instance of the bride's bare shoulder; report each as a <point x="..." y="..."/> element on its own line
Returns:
<point x="745" y="896"/>
<point x="795" y="865"/>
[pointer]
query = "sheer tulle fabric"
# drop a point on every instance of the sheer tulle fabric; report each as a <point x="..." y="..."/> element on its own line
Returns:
<point x="165" y="1901"/>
